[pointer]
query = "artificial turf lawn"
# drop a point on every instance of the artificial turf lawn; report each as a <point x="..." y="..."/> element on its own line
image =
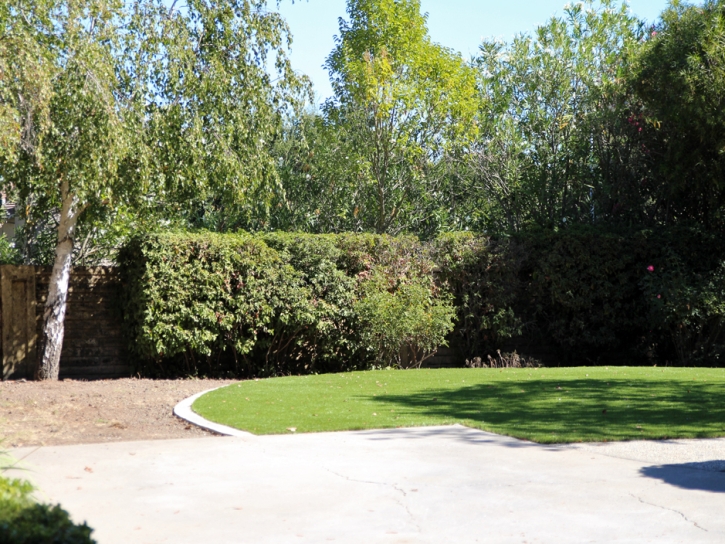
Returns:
<point x="546" y="405"/>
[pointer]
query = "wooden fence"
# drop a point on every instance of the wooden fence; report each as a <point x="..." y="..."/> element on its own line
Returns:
<point x="93" y="345"/>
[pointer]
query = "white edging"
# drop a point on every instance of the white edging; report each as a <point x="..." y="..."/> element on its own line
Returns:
<point x="183" y="410"/>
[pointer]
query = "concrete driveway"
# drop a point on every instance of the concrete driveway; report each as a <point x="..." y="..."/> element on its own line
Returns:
<point x="434" y="484"/>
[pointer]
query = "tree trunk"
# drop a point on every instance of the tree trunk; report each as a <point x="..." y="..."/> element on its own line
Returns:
<point x="54" y="314"/>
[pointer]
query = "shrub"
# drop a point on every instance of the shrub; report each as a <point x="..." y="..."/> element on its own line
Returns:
<point x="405" y="325"/>
<point x="281" y="303"/>
<point x="200" y="301"/>
<point x="581" y="292"/>
<point x="22" y="521"/>
<point x="684" y="289"/>
<point x="585" y="296"/>
<point x="482" y="274"/>
<point x="274" y="303"/>
<point x="320" y="336"/>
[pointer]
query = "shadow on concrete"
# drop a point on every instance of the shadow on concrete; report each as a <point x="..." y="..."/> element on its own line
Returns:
<point x="703" y="476"/>
<point x="457" y="432"/>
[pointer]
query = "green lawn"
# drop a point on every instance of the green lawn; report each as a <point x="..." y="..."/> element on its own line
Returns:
<point x="545" y="405"/>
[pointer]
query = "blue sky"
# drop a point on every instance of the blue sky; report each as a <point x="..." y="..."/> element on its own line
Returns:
<point x="459" y="24"/>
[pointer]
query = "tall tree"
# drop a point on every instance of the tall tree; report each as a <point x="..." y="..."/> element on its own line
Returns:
<point x="551" y="116"/>
<point x="142" y="107"/>
<point x="69" y="161"/>
<point x="680" y="78"/>
<point x="402" y="104"/>
<point x="211" y="106"/>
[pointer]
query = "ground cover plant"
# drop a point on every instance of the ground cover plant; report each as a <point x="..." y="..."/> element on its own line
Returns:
<point x="546" y="405"/>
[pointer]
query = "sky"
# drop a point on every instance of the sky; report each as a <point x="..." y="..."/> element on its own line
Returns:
<point x="458" y="24"/>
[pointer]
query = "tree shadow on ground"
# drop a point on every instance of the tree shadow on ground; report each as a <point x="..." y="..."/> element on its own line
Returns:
<point x="590" y="410"/>
<point x="456" y="432"/>
<point x="703" y="476"/>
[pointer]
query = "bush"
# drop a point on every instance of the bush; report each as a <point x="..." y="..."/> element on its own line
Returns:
<point x="403" y="326"/>
<point x="482" y="274"/>
<point x="581" y="292"/>
<point x="320" y="336"/>
<point x="201" y="301"/>
<point x="684" y="289"/>
<point x="588" y="296"/>
<point x="24" y="522"/>
<point x="275" y="303"/>
<point x="282" y="303"/>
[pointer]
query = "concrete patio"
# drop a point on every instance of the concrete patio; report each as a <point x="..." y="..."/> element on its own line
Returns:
<point x="435" y="484"/>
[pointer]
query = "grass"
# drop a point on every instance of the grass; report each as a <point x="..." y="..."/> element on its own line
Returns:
<point x="547" y="405"/>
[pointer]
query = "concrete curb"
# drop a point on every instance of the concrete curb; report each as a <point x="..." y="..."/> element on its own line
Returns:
<point x="183" y="410"/>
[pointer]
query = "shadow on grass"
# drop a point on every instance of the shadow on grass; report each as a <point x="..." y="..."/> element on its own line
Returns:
<point x="701" y="476"/>
<point x="576" y="410"/>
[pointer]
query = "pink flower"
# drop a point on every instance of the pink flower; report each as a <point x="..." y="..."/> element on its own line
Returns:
<point x="650" y="268"/>
<point x="659" y="296"/>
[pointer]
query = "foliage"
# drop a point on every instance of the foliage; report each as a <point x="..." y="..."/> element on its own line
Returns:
<point x="277" y="303"/>
<point x="209" y="82"/>
<point x="199" y="295"/>
<point x="15" y="496"/>
<point x="8" y="253"/>
<point x="546" y="405"/>
<point x="282" y="303"/>
<point x="404" y="326"/>
<point x="680" y="78"/>
<point x="581" y="290"/>
<point x="322" y="337"/>
<point x="551" y="114"/>
<point x="76" y="146"/>
<point x="24" y="77"/>
<point x="401" y="106"/>
<point x="22" y="521"/>
<point x="483" y="276"/>
<point x="685" y="295"/>
<point x="589" y="295"/>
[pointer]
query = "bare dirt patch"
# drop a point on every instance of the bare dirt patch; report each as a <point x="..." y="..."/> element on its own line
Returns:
<point x="82" y="412"/>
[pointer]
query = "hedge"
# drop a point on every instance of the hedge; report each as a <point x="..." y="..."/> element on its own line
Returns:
<point x="584" y="296"/>
<point x="272" y="304"/>
<point x="283" y="303"/>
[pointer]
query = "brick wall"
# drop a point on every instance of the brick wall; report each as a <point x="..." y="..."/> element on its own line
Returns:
<point x="93" y="346"/>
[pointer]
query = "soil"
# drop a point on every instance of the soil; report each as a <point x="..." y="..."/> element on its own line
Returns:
<point x="83" y="412"/>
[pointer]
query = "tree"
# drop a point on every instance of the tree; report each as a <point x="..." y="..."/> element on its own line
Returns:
<point x="680" y="79"/>
<point x="143" y="106"/>
<point x="211" y="107"/>
<point x="69" y="162"/>
<point x="402" y="104"/>
<point x="551" y="115"/>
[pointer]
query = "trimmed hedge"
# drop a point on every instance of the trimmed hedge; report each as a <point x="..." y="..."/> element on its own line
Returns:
<point x="282" y="303"/>
<point x="584" y="296"/>
<point x="272" y="304"/>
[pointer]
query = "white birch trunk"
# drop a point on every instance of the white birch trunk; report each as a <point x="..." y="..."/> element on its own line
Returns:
<point x="51" y="341"/>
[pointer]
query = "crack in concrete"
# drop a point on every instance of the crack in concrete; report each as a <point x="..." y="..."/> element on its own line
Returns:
<point x="671" y="510"/>
<point x="393" y="486"/>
